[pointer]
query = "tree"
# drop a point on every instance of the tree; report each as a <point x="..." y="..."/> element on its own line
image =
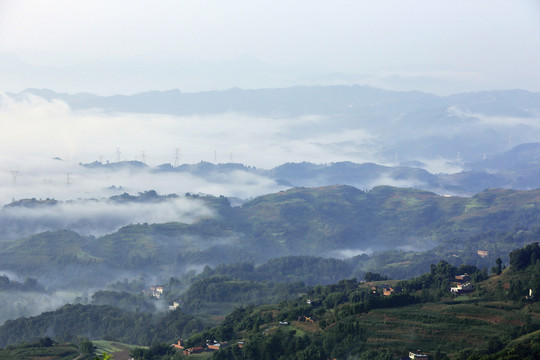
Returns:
<point x="87" y="347"/>
<point x="498" y="268"/>
<point x="137" y="353"/>
<point x="524" y="257"/>
<point x="439" y="355"/>
<point x="46" y="342"/>
<point x="494" y="344"/>
<point x="369" y="276"/>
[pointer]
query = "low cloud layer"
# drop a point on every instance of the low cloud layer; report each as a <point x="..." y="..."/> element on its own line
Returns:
<point x="94" y="217"/>
<point x="38" y="129"/>
<point x="42" y="142"/>
<point x="17" y="304"/>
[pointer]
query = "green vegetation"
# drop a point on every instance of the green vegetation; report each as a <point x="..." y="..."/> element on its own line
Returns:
<point x="352" y="319"/>
<point x="317" y="221"/>
<point x="100" y="322"/>
<point x="308" y="269"/>
<point x="327" y="317"/>
<point x="498" y="317"/>
<point x="125" y="301"/>
<point x="223" y="289"/>
<point x="48" y="250"/>
<point x="44" y="349"/>
<point x="114" y="349"/>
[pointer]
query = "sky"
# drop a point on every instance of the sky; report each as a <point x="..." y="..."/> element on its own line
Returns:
<point x="110" y="47"/>
<point x="126" y="47"/>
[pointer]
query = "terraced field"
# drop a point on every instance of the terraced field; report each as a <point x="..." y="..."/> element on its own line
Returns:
<point x="449" y="326"/>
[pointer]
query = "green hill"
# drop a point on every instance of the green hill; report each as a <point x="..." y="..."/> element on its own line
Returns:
<point x="496" y="318"/>
<point x="41" y="350"/>
<point x="352" y="320"/>
<point x="325" y="221"/>
<point x="46" y="250"/>
<point x="299" y="221"/>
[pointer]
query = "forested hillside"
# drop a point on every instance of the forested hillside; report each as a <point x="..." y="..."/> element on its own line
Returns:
<point x="287" y="240"/>
<point x="334" y="221"/>
<point x="353" y="319"/>
<point x="492" y="317"/>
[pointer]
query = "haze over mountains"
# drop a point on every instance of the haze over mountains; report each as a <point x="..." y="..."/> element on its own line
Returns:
<point x="335" y="128"/>
<point x="405" y="126"/>
<point x="273" y="139"/>
<point x="152" y="185"/>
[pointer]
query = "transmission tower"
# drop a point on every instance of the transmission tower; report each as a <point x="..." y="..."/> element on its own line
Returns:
<point x="215" y="156"/>
<point x="117" y="154"/>
<point x="176" y="157"/>
<point x="68" y="179"/>
<point x="14" y="174"/>
<point x="143" y="157"/>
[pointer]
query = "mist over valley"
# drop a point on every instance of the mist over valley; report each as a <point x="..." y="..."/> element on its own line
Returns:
<point x="75" y="223"/>
<point x="276" y="181"/>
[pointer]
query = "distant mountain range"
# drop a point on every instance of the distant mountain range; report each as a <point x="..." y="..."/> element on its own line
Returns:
<point x="302" y="100"/>
<point x="517" y="169"/>
<point x="404" y="126"/>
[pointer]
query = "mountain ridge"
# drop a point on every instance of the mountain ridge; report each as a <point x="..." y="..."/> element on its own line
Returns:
<point x="297" y="99"/>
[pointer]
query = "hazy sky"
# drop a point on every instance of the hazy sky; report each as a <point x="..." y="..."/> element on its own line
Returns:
<point x="108" y="47"/>
<point x="130" y="46"/>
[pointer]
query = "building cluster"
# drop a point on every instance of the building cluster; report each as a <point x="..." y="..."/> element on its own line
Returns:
<point x="155" y="291"/>
<point x="211" y="345"/>
<point x="385" y="290"/>
<point x="461" y="284"/>
<point x="175" y="305"/>
<point x="313" y="302"/>
<point x="482" y="253"/>
<point x="417" y="355"/>
<point x="306" y="319"/>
